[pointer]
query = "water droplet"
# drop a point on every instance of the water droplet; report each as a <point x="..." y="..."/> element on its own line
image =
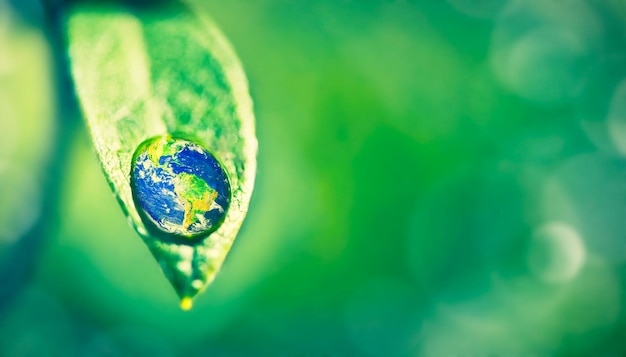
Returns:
<point x="179" y="187"/>
<point x="186" y="304"/>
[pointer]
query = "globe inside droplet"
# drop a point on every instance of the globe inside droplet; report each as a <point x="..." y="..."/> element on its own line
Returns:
<point x="179" y="187"/>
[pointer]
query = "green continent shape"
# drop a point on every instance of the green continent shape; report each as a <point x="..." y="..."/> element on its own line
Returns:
<point x="197" y="196"/>
<point x="162" y="147"/>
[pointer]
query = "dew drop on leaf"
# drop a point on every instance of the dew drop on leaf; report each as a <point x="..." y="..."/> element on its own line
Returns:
<point x="179" y="187"/>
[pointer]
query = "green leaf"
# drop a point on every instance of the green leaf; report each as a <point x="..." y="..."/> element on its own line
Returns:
<point x="145" y="71"/>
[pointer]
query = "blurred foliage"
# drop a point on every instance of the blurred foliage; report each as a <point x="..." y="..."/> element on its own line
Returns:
<point x="435" y="178"/>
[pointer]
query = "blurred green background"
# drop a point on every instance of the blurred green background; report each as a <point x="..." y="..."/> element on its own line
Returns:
<point x="436" y="178"/>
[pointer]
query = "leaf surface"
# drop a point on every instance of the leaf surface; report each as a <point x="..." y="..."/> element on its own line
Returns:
<point x="145" y="71"/>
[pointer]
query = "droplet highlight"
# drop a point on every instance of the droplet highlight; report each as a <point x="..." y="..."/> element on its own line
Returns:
<point x="179" y="187"/>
